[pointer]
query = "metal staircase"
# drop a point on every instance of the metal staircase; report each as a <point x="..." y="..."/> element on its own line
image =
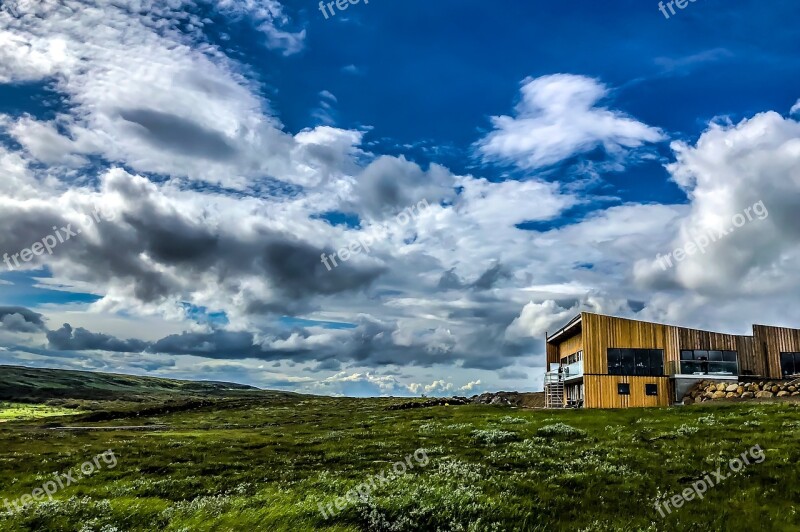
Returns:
<point x="554" y="390"/>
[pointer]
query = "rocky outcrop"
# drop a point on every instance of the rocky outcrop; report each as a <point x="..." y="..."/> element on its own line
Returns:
<point x="438" y="401"/>
<point x="518" y="399"/>
<point x="513" y="399"/>
<point x="708" y="390"/>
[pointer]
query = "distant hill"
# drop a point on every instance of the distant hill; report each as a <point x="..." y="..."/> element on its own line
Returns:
<point x="19" y="383"/>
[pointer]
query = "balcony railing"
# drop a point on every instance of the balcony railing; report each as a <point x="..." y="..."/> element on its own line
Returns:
<point x="573" y="370"/>
<point x="697" y="367"/>
<point x="568" y="371"/>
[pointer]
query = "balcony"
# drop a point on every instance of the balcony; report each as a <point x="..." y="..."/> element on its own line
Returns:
<point x="568" y="372"/>
<point x="573" y="371"/>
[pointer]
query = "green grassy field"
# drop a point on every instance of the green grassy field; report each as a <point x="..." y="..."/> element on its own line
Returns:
<point x="16" y="411"/>
<point x="266" y="462"/>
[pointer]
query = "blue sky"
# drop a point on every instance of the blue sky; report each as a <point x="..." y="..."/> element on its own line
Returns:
<point x="561" y="149"/>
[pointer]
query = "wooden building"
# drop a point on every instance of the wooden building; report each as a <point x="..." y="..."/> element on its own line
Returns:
<point x="598" y="361"/>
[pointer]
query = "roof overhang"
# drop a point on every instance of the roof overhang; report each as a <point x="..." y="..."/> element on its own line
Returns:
<point x="573" y="325"/>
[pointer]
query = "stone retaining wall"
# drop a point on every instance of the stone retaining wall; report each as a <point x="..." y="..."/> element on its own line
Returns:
<point x="709" y="390"/>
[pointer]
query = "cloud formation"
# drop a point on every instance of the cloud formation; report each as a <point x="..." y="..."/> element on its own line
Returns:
<point x="558" y="117"/>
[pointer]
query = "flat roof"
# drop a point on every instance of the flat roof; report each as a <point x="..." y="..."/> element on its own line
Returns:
<point x="572" y="323"/>
<point x="577" y="321"/>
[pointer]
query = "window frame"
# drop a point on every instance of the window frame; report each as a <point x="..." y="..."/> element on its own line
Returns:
<point x="635" y="362"/>
<point x="702" y="362"/>
<point x="794" y="358"/>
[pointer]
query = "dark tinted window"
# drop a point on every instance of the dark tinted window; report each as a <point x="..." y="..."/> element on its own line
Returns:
<point x="641" y="359"/>
<point x="641" y="362"/>
<point x="628" y="362"/>
<point x="614" y="362"/>
<point x="790" y="364"/>
<point x="709" y="362"/>
<point x="651" y="389"/>
<point x="656" y="362"/>
<point x="623" y="389"/>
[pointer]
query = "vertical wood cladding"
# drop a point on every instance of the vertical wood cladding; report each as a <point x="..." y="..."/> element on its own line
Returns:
<point x="552" y="354"/>
<point x="601" y="391"/>
<point x="751" y="357"/>
<point x="570" y="346"/>
<point x="772" y="341"/>
<point x="603" y="332"/>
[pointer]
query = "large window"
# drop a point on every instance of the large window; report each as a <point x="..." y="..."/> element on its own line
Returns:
<point x="651" y="389"/>
<point x="790" y="364"/>
<point x="711" y="362"/>
<point x="623" y="389"/>
<point x="644" y="362"/>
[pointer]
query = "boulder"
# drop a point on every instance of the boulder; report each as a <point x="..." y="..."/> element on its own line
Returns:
<point x="775" y="389"/>
<point x="784" y="394"/>
<point x="721" y="387"/>
<point x="731" y="388"/>
<point x="748" y="395"/>
<point x="795" y="394"/>
<point x="740" y="389"/>
<point x="764" y="395"/>
<point x="792" y="389"/>
<point x="718" y="395"/>
<point x="730" y="395"/>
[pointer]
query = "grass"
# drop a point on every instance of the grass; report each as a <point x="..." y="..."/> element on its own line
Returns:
<point x="265" y="462"/>
<point x="23" y="411"/>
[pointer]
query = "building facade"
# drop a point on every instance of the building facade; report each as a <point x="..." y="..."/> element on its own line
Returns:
<point x="598" y="361"/>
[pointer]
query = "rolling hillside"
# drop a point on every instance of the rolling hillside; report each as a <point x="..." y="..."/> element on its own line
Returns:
<point x="35" y="385"/>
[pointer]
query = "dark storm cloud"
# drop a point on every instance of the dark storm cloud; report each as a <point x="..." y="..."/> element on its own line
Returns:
<point x="157" y="251"/>
<point x="487" y="280"/>
<point x="450" y="281"/>
<point x="216" y="344"/>
<point x="221" y="344"/>
<point x="296" y="269"/>
<point x="20" y="319"/>
<point x="68" y="339"/>
<point x="25" y="224"/>
<point x="172" y="132"/>
<point x="370" y="343"/>
<point x="389" y="185"/>
<point x="172" y="239"/>
<point x="326" y="365"/>
<point x="490" y="277"/>
<point x="512" y="374"/>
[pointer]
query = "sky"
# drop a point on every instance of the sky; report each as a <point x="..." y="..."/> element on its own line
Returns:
<point x="395" y="198"/>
